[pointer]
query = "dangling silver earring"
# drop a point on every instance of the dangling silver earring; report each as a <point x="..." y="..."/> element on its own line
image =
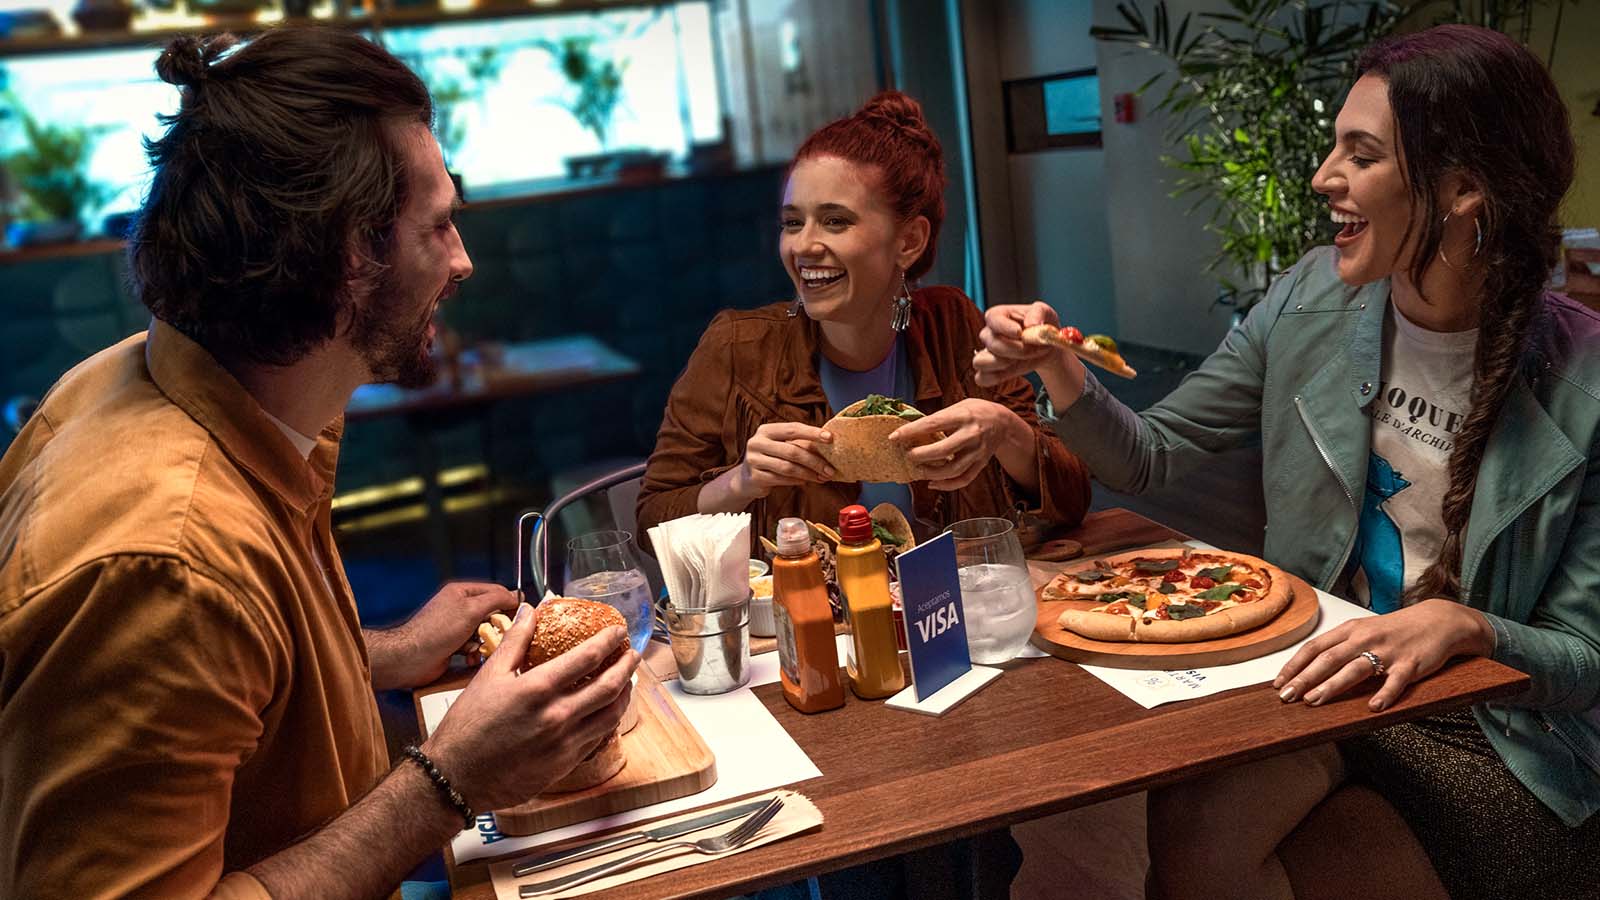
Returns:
<point x="902" y="306"/>
<point x="1477" y="247"/>
<point x="796" y="307"/>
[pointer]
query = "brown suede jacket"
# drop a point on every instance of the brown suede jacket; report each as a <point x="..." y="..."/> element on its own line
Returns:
<point x="759" y="366"/>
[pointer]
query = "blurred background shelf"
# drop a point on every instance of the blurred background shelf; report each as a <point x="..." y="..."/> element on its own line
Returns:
<point x="244" y="25"/>
<point x="68" y="249"/>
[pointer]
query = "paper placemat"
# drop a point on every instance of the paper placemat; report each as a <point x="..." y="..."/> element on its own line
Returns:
<point x="798" y="815"/>
<point x="753" y="754"/>
<point x="1152" y="688"/>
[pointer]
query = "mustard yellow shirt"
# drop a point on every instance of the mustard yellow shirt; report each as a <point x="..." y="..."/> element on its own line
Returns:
<point x="184" y="689"/>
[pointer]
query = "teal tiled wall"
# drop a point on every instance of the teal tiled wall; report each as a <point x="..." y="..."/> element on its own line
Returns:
<point x="644" y="268"/>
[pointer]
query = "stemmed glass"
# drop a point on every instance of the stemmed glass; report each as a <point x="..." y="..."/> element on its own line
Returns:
<point x="604" y="566"/>
<point x="996" y="590"/>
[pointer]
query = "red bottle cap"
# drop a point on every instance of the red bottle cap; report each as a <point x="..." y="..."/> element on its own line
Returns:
<point x="855" y="524"/>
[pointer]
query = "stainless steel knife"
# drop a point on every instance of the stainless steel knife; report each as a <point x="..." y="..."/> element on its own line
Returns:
<point x="616" y="842"/>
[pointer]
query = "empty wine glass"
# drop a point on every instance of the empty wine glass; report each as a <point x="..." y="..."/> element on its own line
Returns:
<point x="604" y="566"/>
<point x="996" y="590"/>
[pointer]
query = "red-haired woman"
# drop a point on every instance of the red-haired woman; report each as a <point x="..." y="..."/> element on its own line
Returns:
<point x="861" y="209"/>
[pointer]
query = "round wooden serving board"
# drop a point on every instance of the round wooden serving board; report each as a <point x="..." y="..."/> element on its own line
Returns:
<point x="1290" y="626"/>
<point x="667" y="759"/>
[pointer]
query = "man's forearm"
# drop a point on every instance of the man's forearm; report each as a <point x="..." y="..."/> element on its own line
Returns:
<point x="366" y="851"/>
<point x="388" y="649"/>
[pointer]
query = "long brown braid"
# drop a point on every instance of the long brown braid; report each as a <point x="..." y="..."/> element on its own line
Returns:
<point x="1474" y="102"/>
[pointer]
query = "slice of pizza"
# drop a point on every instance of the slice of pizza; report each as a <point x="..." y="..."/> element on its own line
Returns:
<point x="1086" y="583"/>
<point x="1100" y="578"/>
<point x="1096" y="348"/>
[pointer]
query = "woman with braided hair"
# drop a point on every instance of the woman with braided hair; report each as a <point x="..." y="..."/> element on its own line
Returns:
<point x="1429" y="418"/>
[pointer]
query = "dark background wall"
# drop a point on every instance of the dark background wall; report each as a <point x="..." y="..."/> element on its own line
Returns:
<point x="643" y="268"/>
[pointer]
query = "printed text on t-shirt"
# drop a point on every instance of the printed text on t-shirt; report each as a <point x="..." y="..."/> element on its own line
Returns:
<point x="1416" y="417"/>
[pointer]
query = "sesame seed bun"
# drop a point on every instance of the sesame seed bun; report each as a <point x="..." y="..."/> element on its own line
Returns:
<point x="565" y="622"/>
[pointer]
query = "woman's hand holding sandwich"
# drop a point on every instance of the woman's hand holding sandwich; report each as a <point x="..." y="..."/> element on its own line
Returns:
<point x="976" y="431"/>
<point x="779" y="454"/>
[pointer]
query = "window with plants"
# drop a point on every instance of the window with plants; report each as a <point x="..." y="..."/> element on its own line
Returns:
<point x="522" y="104"/>
<point x="567" y="95"/>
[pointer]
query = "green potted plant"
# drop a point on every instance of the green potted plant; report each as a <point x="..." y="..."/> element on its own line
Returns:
<point x="49" y="181"/>
<point x="1252" y="93"/>
<point x="451" y="94"/>
<point x="596" y="83"/>
<point x="449" y="127"/>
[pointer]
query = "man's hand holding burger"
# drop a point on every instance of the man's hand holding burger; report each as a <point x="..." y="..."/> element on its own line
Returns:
<point x="417" y="651"/>
<point x="514" y="730"/>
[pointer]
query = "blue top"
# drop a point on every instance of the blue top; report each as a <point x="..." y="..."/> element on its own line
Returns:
<point x="891" y="378"/>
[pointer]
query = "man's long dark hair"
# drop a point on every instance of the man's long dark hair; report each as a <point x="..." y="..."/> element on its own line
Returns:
<point x="277" y="183"/>
<point x="1474" y="101"/>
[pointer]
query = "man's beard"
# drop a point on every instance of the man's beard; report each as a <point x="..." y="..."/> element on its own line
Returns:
<point x="396" y="351"/>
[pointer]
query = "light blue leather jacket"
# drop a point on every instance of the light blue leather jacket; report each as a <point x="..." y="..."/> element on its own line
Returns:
<point x="1297" y="374"/>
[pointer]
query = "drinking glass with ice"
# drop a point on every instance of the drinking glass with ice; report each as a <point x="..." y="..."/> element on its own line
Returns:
<point x="604" y="566"/>
<point x="996" y="590"/>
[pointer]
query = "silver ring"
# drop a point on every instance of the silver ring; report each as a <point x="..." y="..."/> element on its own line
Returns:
<point x="1378" y="668"/>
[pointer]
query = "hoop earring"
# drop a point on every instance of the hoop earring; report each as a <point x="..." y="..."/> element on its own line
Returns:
<point x="901" y="318"/>
<point x="796" y="307"/>
<point x="1477" y="225"/>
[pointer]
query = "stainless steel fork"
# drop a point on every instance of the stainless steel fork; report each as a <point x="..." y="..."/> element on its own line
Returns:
<point x="732" y="839"/>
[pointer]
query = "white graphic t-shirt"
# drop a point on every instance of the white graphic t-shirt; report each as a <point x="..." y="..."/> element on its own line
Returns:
<point x="1421" y="403"/>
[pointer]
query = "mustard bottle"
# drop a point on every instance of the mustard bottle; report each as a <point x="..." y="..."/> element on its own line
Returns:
<point x="874" y="660"/>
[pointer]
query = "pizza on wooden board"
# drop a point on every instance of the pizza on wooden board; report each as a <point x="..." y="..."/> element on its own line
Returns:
<point x="1171" y="595"/>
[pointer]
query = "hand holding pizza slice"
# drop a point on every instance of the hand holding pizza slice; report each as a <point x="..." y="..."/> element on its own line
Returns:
<point x="1096" y="348"/>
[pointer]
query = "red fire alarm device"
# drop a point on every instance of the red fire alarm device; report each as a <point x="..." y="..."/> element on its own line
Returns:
<point x="1124" y="108"/>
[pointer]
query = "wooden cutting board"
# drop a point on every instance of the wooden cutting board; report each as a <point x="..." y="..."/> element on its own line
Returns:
<point x="667" y="758"/>
<point x="1294" y="623"/>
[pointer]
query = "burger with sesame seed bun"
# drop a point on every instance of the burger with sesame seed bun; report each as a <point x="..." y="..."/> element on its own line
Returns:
<point x="563" y="624"/>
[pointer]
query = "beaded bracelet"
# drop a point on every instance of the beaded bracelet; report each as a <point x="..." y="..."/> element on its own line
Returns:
<point x="446" y="789"/>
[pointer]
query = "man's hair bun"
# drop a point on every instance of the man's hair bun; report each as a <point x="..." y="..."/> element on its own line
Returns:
<point x="186" y="61"/>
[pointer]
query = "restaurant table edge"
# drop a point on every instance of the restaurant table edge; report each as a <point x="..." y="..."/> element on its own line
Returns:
<point x="900" y="812"/>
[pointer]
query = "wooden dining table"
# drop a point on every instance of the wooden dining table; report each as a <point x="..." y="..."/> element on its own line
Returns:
<point x="1045" y="738"/>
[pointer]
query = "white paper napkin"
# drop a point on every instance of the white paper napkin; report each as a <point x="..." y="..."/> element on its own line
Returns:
<point x="704" y="558"/>
<point x="1152" y="688"/>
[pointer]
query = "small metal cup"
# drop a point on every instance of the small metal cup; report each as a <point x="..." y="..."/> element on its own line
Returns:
<point x="710" y="646"/>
